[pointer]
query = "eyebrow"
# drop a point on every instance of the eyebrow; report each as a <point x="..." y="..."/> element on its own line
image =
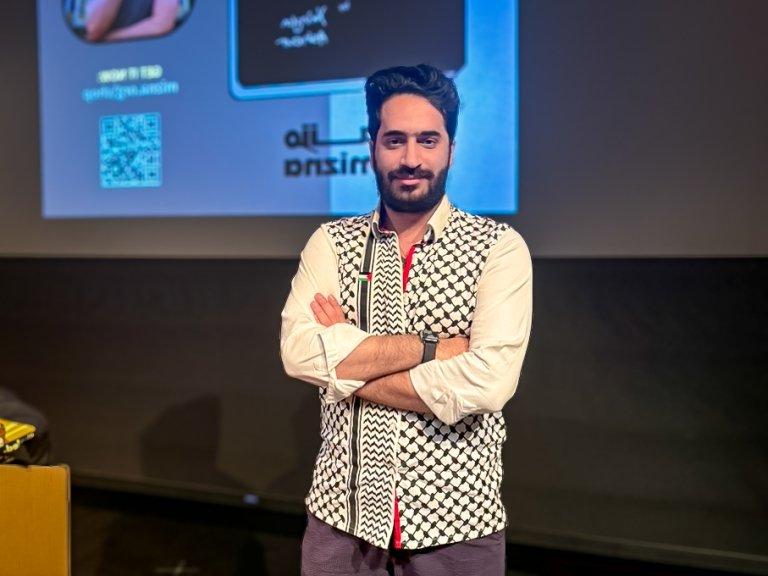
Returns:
<point x="426" y="133"/>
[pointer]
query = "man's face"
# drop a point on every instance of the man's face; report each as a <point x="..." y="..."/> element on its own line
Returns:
<point x="411" y="154"/>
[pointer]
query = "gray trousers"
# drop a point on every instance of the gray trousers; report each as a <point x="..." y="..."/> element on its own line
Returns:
<point x="327" y="551"/>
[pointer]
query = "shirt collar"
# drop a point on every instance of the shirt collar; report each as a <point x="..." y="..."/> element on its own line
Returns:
<point x="435" y="225"/>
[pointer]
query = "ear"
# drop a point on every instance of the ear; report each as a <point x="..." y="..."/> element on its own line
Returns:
<point x="451" y="150"/>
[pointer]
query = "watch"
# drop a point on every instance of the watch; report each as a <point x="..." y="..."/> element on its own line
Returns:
<point x="430" y="340"/>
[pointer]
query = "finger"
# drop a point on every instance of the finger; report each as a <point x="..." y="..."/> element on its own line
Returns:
<point x="315" y="308"/>
<point x="320" y="314"/>
<point x="338" y="311"/>
<point x="328" y="307"/>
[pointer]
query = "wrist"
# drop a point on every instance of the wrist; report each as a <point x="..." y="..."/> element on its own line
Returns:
<point x="429" y="341"/>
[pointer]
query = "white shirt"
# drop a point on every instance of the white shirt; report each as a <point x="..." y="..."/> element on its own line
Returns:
<point x="478" y="381"/>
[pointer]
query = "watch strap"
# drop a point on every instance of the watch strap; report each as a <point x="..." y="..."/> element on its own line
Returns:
<point x="429" y="339"/>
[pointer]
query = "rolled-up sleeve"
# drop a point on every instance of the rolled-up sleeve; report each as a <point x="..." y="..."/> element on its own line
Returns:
<point x="483" y="379"/>
<point x="310" y="351"/>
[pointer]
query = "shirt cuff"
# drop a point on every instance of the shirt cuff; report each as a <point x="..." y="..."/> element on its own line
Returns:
<point x="437" y="395"/>
<point x="338" y="341"/>
<point x="339" y="390"/>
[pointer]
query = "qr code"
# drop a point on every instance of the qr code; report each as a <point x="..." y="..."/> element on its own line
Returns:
<point x="130" y="151"/>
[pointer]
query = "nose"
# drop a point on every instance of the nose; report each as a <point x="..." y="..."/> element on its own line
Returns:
<point x="411" y="157"/>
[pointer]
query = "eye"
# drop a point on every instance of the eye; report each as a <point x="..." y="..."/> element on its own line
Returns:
<point x="429" y="141"/>
<point x="393" y="141"/>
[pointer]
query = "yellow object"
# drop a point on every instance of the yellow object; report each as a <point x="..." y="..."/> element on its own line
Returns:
<point x="34" y="520"/>
<point x="12" y="434"/>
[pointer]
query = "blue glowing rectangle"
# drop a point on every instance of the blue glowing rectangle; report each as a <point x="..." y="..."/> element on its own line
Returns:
<point x="130" y="151"/>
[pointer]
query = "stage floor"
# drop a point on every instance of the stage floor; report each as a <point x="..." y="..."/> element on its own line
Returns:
<point x="116" y="534"/>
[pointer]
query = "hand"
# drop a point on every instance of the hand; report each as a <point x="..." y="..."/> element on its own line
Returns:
<point x="449" y="347"/>
<point x="327" y="311"/>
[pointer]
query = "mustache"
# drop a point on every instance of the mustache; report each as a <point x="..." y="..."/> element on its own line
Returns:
<point x="405" y="173"/>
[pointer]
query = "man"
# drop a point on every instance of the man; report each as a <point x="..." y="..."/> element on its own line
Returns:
<point x="413" y="322"/>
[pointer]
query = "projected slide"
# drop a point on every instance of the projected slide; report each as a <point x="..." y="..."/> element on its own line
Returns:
<point x="153" y="108"/>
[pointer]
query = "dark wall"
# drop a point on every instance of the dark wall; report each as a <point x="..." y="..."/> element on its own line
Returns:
<point x="639" y="423"/>
<point x="643" y="127"/>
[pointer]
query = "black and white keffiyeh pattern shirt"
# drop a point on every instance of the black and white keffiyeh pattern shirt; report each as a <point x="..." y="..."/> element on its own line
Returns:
<point x="471" y="276"/>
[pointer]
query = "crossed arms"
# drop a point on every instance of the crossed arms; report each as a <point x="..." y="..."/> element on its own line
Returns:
<point x="383" y="362"/>
<point x="474" y="376"/>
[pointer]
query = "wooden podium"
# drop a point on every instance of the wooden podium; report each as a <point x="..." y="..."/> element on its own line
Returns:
<point x="34" y="520"/>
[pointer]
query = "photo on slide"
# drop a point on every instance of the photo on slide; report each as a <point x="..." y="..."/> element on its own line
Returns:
<point x="116" y="20"/>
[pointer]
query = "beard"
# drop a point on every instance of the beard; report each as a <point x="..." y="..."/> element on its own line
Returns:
<point x="400" y="198"/>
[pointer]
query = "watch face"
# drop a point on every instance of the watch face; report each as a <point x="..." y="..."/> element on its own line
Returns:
<point x="428" y="336"/>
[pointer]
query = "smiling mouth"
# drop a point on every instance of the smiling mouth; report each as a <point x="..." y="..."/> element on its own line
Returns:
<point x="409" y="181"/>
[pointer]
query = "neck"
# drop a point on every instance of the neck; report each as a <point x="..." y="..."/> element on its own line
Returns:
<point x="411" y="225"/>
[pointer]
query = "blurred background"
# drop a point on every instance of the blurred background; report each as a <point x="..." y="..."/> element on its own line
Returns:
<point x="637" y="170"/>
